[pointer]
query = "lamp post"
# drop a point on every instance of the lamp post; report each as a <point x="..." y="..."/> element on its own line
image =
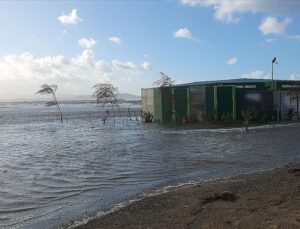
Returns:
<point x="273" y="62"/>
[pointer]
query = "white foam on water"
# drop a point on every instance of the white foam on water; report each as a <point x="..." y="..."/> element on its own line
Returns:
<point x="227" y="130"/>
<point x="156" y="192"/>
<point x="142" y="196"/>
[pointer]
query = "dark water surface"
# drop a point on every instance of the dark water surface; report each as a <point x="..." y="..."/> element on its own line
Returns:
<point x="52" y="173"/>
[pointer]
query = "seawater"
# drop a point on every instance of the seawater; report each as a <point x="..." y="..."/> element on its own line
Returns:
<point x="52" y="173"/>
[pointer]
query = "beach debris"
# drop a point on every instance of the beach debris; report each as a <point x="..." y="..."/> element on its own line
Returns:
<point x="224" y="196"/>
<point x="294" y="170"/>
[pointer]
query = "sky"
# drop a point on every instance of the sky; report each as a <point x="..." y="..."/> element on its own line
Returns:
<point x="77" y="44"/>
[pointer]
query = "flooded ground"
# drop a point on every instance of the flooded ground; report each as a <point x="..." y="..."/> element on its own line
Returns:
<point x="52" y="173"/>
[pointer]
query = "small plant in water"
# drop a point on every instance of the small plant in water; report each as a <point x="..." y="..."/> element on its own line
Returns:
<point x="147" y="116"/>
<point x="50" y="90"/>
<point x="248" y="114"/>
<point x="290" y="114"/>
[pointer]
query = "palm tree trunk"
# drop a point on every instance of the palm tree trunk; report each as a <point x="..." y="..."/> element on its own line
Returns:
<point x="60" y="113"/>
<point x="112" y="105"/>
<point x="116" y="102"/>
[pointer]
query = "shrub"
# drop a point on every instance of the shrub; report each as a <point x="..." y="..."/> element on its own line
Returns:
<point x="250" y="113"/>
<point x="147" y="116"/>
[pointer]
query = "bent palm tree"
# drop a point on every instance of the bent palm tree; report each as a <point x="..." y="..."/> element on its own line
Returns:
<point x="50" y="90"/>
<point x="107" y="93"/>
<point x="164" y="81"/>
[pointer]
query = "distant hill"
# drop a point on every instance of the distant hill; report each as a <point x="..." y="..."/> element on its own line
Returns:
<point x="65" y="97"/>
<point x="121" y="96"/>
<point x="126" y="96"/>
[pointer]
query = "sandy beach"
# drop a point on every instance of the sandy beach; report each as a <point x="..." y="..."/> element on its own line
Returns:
<point x="269" y="199"/>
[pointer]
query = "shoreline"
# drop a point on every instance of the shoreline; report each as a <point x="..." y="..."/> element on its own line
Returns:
<point x="224" y="125"/>
<point x="263" y="199"/>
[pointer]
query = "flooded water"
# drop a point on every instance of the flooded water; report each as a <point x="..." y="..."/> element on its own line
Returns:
<point x="52" y="173"/>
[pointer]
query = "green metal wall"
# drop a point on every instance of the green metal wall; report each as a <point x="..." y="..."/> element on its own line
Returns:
<point x="196" y="101"/>
<point x="180" y="103"/>
<point x="157" y="104"/>
<point x="220" y="102"/>
<point x="225" y="103"/>
<point x="209" y="102"/>
<point x="189" y="102"/>
<point x="166" y="104"/>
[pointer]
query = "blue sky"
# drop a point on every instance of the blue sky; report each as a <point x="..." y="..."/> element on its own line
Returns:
<point x="128" y="42"/>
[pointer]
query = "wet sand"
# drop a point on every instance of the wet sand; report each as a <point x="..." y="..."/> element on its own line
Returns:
<point x="269" y="199"/>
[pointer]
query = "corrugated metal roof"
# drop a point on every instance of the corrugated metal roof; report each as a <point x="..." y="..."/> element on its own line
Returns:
<point x="233" y="81"/>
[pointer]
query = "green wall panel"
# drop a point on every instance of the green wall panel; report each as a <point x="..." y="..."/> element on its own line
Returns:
<point x="180" y="102"/>
<point x="209" y="101"/>
<point x="157" y="98"/>
<point x="196" y="101"/>
<point x="225" y="103"/>
<point x="166" y="102"/>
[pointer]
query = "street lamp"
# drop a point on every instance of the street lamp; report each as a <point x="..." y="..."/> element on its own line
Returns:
<point x="273" y="62"/>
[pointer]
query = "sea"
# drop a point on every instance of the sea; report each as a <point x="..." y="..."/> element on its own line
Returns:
<point x="55" y="173"/>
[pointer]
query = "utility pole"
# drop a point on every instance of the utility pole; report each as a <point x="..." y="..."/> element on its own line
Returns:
<point x="273" y="62"/>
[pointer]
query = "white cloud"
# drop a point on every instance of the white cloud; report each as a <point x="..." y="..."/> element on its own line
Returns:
<point x="270" y="40"/>
<point x="115" y="40"/>
<point x="70" y="19"/>
<point x="294" y="76"/>
<point x="232" y="61"/>
<point x="271" y="25"/>
<point x="87" y="43"/>
<point x="124" y="66"/>
<point x="184" y="33"/>
<point x="25" y="73"/>
<point x="229" y="11"/>
<point x="146" y="66"/>
<point x="295" y="37"/>
<point x="257" y="74"/>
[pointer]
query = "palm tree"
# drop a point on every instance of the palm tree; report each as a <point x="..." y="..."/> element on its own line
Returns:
<point x="50" y="90"/>
<point x="164" y="81"/>
<point x="106" y="93"/>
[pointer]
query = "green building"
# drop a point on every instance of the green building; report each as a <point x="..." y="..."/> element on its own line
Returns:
<point x="223" y="99"/>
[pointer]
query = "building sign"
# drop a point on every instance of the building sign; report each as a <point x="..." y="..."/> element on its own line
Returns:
<point x="290" y="86"/>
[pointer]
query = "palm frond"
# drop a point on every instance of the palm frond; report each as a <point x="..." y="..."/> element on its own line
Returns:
<point x="164" y="81"/>
<point x="47" y="89"/>
<point x="105" y="93"/>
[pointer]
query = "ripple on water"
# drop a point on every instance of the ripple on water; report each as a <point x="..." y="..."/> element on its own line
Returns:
<point x="52" y="172"/>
